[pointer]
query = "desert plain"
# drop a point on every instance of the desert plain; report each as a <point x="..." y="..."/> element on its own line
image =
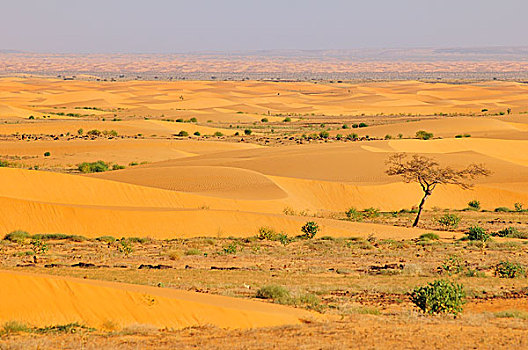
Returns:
<point x="168" y="214"/>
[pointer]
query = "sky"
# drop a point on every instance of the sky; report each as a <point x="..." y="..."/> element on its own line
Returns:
<point x="165" y="26"/>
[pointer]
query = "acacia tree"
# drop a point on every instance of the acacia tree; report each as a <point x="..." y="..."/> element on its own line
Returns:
<point x="428" y="173"/>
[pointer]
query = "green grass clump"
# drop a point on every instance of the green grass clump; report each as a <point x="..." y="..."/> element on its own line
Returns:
<point x="429" y="236"/>
<point x="523" y="315"/>
<point x="106" y="239"/>
<point x="14" y="327"/>
<point x="193" y="251"/>
<point x="502" y="210"/>
<point x="17" y="236"/>
<point x="278" y="294"/>
<point x="449" y="221"/>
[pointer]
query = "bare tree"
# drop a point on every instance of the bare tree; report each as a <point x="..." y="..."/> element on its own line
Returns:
<point x="428" y="173"/>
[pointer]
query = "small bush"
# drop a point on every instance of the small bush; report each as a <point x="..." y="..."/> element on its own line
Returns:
<point x="197" y="133"/>
<point x="266" y="233"/>
<point x="474" y="205"/>
<point x="477" y="233"/>
<point x="440" y="296"/>
<point x="247" y="132"/>
<point x="264" y="120"/>
<point x="354" y="215"/>
<point x="47" y="154"/>
<point x="18" y="236"/>
<point x="518" y="207"/>
<point x="218" y="134"/>
<point x="193" y="120"/>
<point x="507" y="232"/>
<point x="362" y="125"/>
<point x="287" y="120"/>
<point x="231" y="248"/>
<point x="125" y="247"/>
<point x="429" y="236"/>
<point x="94" y="167"/>
<point x="193" y="252"/>
<point x="93" y="132"/>
<point x="183" y="133"/>
<point x="371" y="212"/>
<point x="310" y="229"/>
<point x="80" y="131"/>
<point x="106" y="239"/>
<point x="424" y="135"/>
<point x="276" y="293"/>
<point x="117" y="167"/>
<point x="506" y="269"/>
<point x="38" y="246"/>
<point x="13" y="327"/>
<point x="451" y="265"/>
<point x="502" y="210"/>
<point x="324" y="134"/>
<point x="449" y="221"/>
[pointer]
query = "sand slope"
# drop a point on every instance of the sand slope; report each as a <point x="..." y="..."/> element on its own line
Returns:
<point x="41" y="301"/>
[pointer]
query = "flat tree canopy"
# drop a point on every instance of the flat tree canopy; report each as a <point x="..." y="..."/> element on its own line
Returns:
<point x="428" y="173"/>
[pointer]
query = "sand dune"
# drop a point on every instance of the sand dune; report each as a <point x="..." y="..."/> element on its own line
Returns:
<point x="41" y="301"/>
<point x="246" y="101"/>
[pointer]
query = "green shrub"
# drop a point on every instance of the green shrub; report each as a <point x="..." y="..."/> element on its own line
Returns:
<point x="117" y="167"/>
<point x="183" y="133"/>
<point x="276" y="293"/>
<point x="440" y="296"/>
<point x="94" y="167"/>
<point x="287" y="120"/>
<point x="518" y="207"/>
<point x="264" y="120"/>
<point x="449" y="221"/>
<point x="362" y="125"/>
<point x="247" y="132"/>
<point x="17" y="236"/>
<point x="502" y="210"/>
<point x="371" y="212"/>
<point x="218" y="134"/>
<point x="451" y="265"/>
<point x="310" y="229"/>
<point x="197" y="133"/>
<point x="125" y="247"/>
<point x="352" y="136"/>
<point x="477" y="233"/>
<point x="47" y="154"/>
<point x="344" y="126"/>
<point x="506" y="269"/>
<point x="193" y="120"/>
<point x="80" y="131"/>
<point x="424" y="135"/>
<point x="507" y="232"/>
<point x="324" y="134"/>
<point x="354" y="215"/>
<point x="13" y="327"/>
<point x="283" y="238"/>
<point x="474" y="205"/>
<point x="231" y="248"/>
<point x="93" y="132"/>
<point x="38" y="246"/>
<point x="106" y="239"/>
<point x="266" y="233"/>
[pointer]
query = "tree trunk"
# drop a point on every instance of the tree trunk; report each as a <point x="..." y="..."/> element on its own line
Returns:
<point x="420" y="207"/>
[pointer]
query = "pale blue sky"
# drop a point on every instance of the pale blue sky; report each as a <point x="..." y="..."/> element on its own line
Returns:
<point x="164" y="26"/>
